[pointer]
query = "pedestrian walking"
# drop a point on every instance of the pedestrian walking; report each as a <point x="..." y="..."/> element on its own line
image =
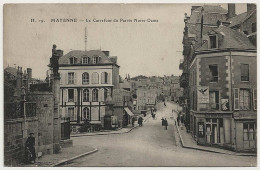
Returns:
<point x="178" y="120"/>
<point x="162" y="121"/>
<point x="165" y="124"/>
<point x="30" y="146"/>
<point x="153" y="116"/>
<point x="140" y="121"/>
<point x="133" y="121"/>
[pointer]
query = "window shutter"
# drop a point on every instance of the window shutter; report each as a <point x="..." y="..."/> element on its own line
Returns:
<point x="75" y="95"/>
<point x="255" y="98"/>
<point x="66" y="78"/>
<point x="90" y="95"/>
<point x="65" y="95"/>
<point x="61" y="78"/>
<point x="236" y="99"/>
<point x="108" y="78"/>
<point x="102" y="77"/>
<point x="100" y="94"/>
<point x="75" y="78"/>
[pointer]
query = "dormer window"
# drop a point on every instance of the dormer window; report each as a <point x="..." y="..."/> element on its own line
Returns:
<point x="85" y="60"/>
<point x="72" y="60"/>
<point x="96" y="59"/>
<point x="213" y="41"/>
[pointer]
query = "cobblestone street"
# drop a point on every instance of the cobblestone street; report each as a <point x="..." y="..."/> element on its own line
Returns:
<point x="151" y="145"/>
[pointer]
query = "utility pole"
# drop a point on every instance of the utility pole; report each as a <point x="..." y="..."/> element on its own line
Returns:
<point x="86" y="38"/>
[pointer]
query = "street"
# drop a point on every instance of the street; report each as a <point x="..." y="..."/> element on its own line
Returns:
<point x="151" y="145"/>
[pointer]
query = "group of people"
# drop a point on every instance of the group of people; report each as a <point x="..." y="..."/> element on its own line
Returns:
<point x="164" y="123"/>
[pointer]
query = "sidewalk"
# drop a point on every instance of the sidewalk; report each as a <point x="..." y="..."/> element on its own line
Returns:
<point x="109" y="132"/>
<point x="66" y="155"/>
<point x="188" y="142"/>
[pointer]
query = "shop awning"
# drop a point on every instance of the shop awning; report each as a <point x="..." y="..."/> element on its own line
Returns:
<point x="128" y="111"/>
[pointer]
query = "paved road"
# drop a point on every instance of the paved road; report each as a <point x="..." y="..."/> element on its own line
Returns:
<point x="151" y="145"/>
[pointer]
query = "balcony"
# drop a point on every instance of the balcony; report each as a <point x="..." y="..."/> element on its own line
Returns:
<point x="181" y="66"/>
<point x="184" y="81"/>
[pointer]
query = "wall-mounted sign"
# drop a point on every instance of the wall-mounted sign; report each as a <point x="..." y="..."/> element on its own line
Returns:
<point x="224" y="104"/>
<point x="203" y="94"/>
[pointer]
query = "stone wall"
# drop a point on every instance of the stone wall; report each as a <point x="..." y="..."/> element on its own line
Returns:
<point x="44" y="111"/>
<point x="16" y="132"/>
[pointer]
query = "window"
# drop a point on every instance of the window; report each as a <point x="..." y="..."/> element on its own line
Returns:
<point x="70" y="78"/>
<point x="105" y="94"/>
<point x="73" y="60"/>
<point x="85" y="78"/>
<point x="244" y="72"/>
<point x="244" y="99"/>
<point x="214" y="73"/>
<point x="86" y="95"/>
<point x="95" y="95"/>
<point x="86" y="114"/>
<point x="249" y="130"/>
<point x="95" y="78"/>
<point x="104" y="78"/>
<point x="214" y="100"/>
<point x="85" y="60"/>
<point x="255" y="99"/>
<point x="71" y="113"/>
<point x="253" y="27"/>
<point x="213" y="41"/>
<point x="70" y="95"/>
<point x="96" y="59"/>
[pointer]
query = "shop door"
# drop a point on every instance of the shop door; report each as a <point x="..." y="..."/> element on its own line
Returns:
<point x="249" y="130"/>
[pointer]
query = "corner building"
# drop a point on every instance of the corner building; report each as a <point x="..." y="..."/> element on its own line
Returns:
<point x="87" y="80"/>
<point x="223" y="90"/>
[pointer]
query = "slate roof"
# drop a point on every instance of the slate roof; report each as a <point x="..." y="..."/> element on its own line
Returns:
<point x="104" y="59"/>
<point x="11" y="70"/>
<point x="212" y="9"/>
<point x="237" y="19"/>
<point x="229" y="39"/>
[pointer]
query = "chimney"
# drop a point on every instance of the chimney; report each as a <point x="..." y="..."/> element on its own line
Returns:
<point x="231" y="10"/>
<point x="106" y="52"/>
<point x="29" y="72"/>
<point x="250" y="8"/>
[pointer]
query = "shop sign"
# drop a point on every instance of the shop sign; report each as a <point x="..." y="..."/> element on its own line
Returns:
<point x="203" y="94"/>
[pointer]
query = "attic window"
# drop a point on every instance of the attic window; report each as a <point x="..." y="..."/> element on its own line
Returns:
<point x="85" y="60"/>
<point x="72" y="60"/>
<point x="96" y="59"/>
<point x="213" y="41"/>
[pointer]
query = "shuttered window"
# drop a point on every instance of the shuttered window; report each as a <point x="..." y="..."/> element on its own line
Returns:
<point x="244" y="72"/>
<point x="95" y="78"/>
<point x="236" y="99"/>
<point x="255" y="99"/>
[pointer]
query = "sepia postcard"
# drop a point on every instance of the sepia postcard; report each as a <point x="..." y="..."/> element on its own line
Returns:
<point x="130" y="85"/>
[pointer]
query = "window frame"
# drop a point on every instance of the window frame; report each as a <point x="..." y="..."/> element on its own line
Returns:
<point x="84" y="78"/>
<point x="71" y="80"/>
<point x="211" y="72"/>
<point x="210" y="47"/>
<point x="86" y="95"/>
<point x="73" y="95"/>
<point x="85" y="60"/>
<point x="242" y="90"/>
<point x="242" y="71"/>
<point x="74" y="60"/>
<point x="95" y="96"/>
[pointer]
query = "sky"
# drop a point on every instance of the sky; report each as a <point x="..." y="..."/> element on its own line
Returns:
<point x="142" y="48"/>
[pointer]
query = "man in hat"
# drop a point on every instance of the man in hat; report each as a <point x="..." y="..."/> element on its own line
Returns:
<point x="29" y="144"/>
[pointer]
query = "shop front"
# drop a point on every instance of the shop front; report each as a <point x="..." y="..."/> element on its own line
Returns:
<point x="212" y="128"/>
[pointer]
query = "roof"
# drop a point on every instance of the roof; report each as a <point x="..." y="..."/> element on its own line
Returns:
<point x="11" y="70"/>
<point x="212" y="9"/>
<point x="237" y="19"/>
<point x="229" y="39"/>
<point x="104" y="59"/>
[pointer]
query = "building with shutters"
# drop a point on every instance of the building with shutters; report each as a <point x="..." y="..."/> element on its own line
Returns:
<point x="87" y="79"/>
<point x="219" y="76"/>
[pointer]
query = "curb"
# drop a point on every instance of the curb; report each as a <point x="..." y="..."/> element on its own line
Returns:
<point x="188" y="147"/>
<point x="76" y="157"/>
<point x="112" y="131"/>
